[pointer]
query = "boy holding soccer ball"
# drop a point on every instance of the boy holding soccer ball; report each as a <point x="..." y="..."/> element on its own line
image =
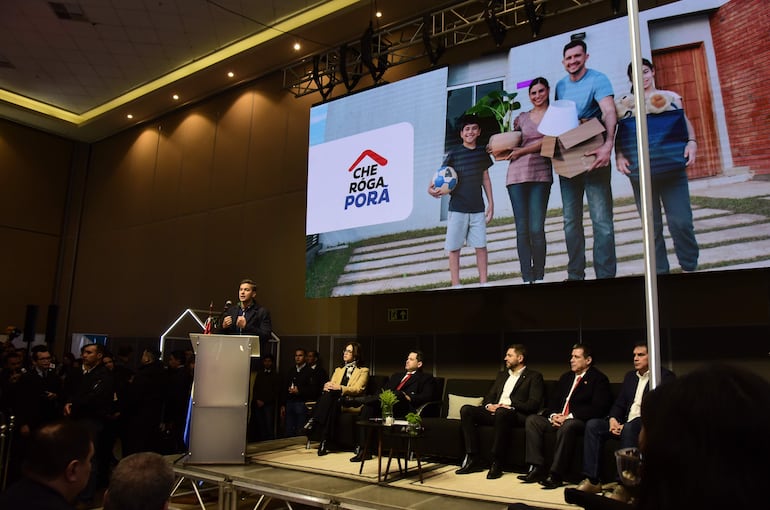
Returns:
<point x="467" y="220"/>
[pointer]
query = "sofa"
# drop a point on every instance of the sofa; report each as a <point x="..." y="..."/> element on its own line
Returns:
<point x="442" y="437"/>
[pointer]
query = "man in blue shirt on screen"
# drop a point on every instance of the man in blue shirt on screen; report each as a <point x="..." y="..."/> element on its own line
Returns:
<point x="593" y="95"/>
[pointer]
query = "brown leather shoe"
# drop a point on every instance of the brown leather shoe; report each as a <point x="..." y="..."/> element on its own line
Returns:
<point x="587" y="486"/>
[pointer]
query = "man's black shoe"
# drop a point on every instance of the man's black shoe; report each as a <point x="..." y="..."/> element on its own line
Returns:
<point x="322" y="449"/>
<point x="360" y="457"/>
<point x="536" y="474"/>
<point x="552" y="482"/>
<point x="494" y="471"/>
<point x="473" y="466"/>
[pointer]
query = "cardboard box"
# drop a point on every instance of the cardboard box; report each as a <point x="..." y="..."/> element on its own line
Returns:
<point x="567" y="151"/>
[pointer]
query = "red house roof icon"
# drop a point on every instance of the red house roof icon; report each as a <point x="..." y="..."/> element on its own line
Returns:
<point x="368" y="153"/>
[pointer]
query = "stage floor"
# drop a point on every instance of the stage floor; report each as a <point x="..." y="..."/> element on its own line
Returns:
<point x="283" y="470"/>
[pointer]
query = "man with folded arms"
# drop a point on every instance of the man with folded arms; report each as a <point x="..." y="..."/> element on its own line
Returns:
<point x="581" y="394"/>
<point x="412" y="386"/>
<point x="516" y="393"/>
<point x="624" y="421"/>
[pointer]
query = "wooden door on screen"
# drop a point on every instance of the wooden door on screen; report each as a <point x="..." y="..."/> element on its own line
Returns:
<point x="683" y="69"/>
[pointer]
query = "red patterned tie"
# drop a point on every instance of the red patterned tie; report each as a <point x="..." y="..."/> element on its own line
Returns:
<point x="403" y="381"/>
<point x="566" y="404"/>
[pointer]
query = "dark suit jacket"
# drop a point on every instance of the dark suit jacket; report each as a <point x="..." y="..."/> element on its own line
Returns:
<point x="421" y="388"/>
<point x="591" y="399"/>
<point x="622" y="405"/>
<point x="258" y="321"/>
<point x="527" y="395"/>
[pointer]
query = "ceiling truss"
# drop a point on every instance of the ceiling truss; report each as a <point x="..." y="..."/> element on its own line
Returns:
<point x="427" y="36"/>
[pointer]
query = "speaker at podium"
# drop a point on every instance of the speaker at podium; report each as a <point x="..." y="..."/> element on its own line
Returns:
<point x="220" y="398"/>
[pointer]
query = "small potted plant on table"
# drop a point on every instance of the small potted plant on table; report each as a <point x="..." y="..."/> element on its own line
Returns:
<point x="388" y="399"/>
<point x="414" y="422"/>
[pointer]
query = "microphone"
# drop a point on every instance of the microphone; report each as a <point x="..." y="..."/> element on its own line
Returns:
<point x="228" y="304"/>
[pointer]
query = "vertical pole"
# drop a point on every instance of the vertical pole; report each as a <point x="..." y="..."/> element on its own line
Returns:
<point x="645" y="184"/>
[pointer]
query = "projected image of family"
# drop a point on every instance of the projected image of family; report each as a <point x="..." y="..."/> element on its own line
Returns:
<point x="522" y="168"/>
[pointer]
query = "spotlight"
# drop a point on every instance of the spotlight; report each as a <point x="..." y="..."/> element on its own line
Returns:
<point x="175" y="97"/>
<point x="496" y="28"/>
<point x="296" y="46"/>
<point x="323" y="88"/>
<point x="378" y="68"/>
<point x="535" y="19"/>
<point x="129" y="116"/>
<point x="230" y="74"/>
<point x="433" y="53"/>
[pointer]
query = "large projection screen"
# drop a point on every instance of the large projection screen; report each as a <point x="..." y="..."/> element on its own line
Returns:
<point x="372" y="155"/>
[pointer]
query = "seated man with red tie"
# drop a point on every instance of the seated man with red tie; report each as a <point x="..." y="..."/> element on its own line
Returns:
<point x="413" y="387"/>
<point x="581" y="394"/>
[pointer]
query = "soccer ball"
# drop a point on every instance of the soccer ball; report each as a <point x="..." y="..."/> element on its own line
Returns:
<point x="445" y="179"/>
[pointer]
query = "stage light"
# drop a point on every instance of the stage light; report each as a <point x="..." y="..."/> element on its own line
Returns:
<point x="535" y="19"/>
<point x="496" y="28"/>
<point x="433" y="53"/>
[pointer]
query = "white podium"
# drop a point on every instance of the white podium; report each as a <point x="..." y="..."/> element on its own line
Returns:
<point x="220" y="398"/>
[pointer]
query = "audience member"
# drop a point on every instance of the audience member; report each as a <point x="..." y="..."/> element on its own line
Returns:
<point x="56" y="468"/>
<point x="624" y="421"/>
<point x="142" y="481"/>
<point x="177" y="401"/>
<point x="705" y="442"/>
<point x="299" y="389"/>
<point x="90" y="401"/>
<point x="516" y="393"/>
<point x="144" y="405"/>
<point x="347" y="381"/>
<point x="320" y="375"/>
<point x="581" y="394"/>
<point x="264" y="399"/>
<point x="42" y="390"/>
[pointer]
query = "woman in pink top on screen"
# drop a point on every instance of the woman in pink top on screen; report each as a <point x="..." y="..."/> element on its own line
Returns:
<point x="529" y="182"/>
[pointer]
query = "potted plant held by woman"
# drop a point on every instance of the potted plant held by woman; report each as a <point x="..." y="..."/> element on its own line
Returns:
<point x="500" y="105"/>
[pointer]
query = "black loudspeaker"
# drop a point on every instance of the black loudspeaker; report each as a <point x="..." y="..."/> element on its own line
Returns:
<point x="30" y="322"/>
<point x="50" y="324"/>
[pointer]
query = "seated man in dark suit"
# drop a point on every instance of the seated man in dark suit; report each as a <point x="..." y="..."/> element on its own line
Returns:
<point x="413" y="387"/>
<point x="581" y="394"/>
<point x="516" y="393"/>
<point x="624" y="421"/>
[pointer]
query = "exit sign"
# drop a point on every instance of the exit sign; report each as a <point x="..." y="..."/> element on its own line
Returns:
<point x="398" y="314"/>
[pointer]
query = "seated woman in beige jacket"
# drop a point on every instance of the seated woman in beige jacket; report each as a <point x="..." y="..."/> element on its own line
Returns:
<point x="347" y="381"/>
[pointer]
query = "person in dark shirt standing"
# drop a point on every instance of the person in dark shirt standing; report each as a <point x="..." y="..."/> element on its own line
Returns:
<point x="91" y="402"/>
<point x="264" y="399"/>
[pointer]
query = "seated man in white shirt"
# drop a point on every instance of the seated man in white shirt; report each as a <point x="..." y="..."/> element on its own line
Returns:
<point x="624" y="421"/>
<point x="516" y="393"/>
